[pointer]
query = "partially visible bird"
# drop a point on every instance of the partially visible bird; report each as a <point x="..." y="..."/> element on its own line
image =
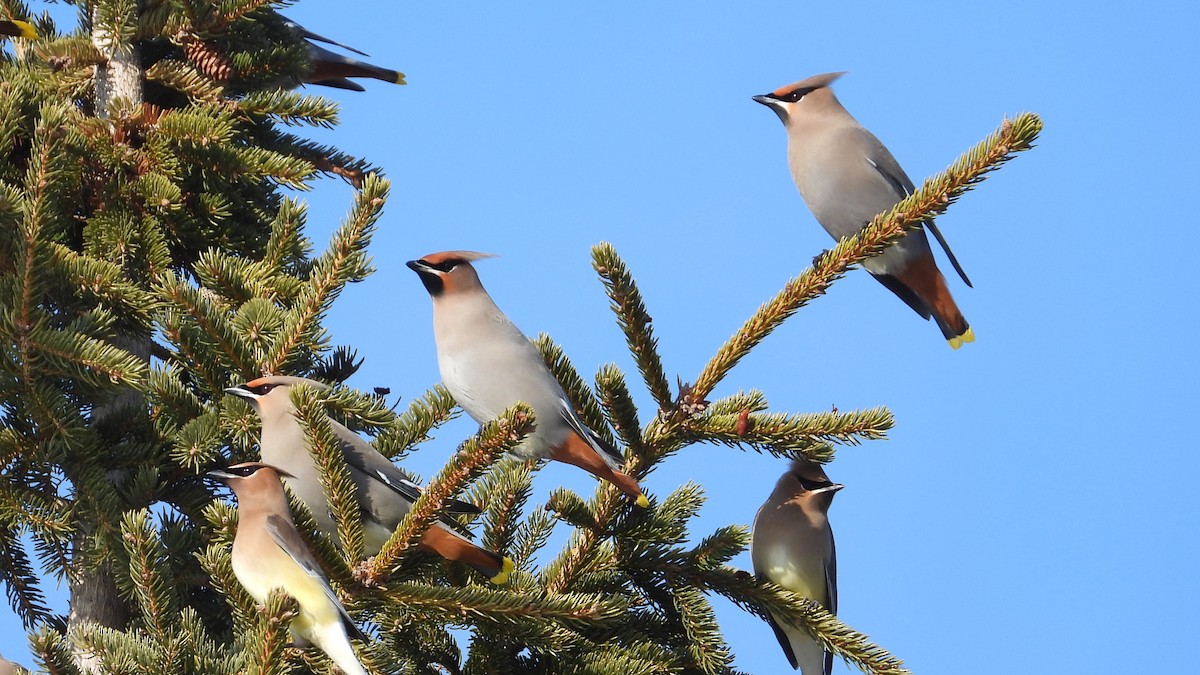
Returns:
<point x="847" y="177"/>
<point x="268" y="553"/>
<point x="791" y="544"/>
<point x="385" y="493"/>
<point x="334" y="70"/>
<point x="331" y="69"/>
<point x="21" y="29"/>
<point x="488" y="365"/>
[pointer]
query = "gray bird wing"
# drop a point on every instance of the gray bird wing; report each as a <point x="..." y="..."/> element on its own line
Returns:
<point x="611" y="455"/>
<point x="360" y="455"/>
<point x="284" y="533"/>
<point x="831" y="575"/>
<point x="784" y="641"/>
<point x="889" y="168"/>
<point x="903" y="292"/>
<point x="831" y="592"/>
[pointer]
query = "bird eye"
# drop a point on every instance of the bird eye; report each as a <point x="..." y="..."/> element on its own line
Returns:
<point x="243" y="470"/>
<point x="811" y="485"/>
<point x="446" y="265"/>
<point x="262" y="388"/>
<point x="795" y="94"/>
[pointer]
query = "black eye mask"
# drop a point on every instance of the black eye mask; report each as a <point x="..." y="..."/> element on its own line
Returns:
<point x="794" y="95"/>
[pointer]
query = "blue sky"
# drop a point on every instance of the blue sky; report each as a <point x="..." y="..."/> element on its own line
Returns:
<point x="1030" y="511"/>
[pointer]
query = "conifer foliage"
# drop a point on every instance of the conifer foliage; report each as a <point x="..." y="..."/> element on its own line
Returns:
<point x="148" y="260"/>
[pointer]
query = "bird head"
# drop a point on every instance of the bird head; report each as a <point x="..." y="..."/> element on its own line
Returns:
<point x="272" y="393"/>
<point x="249" y="476"/>
<point x="448" y="272"/>
<point x="799" y="97"/>
<point x="806" y="481"/>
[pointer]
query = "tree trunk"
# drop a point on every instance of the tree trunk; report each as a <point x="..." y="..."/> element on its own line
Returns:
<point x="94" y="594"/>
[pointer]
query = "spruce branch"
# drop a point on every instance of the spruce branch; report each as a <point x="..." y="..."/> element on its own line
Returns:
<point x="720" y="547"/>
<point x="577" y="391"/>
<point x="571" y="508"/>
<point x="323" y="158"/>
<point x="619" y="408"/>
<point x="235" y="279"/>
<point x="786" y="435"/>
<point x="287" y="246"/>
<point x="54" y="651"/>
<point x="580" y="553"/>
<point x="415" y="424"/>
<point x="210" y="325"/>
<point x="634" y="320"/>
<point x="932" y="199"/>
<point x="155" y="593"/>
<point x="292" y="108"/>
<point x="748" y="401"/>
<point x="20" y="579"/>
<point x="706" y="646"/>
<point x="480" y="452"/>
<point x="345" y="261"/>
<point x="531" y="536"/>
<point x="216" y="562"/>
<point x="464" y="606"/>
<point x="358" y="410"/>
<point x="185" y="78"/>
<point x="764" y="599"/>
<point x="504" y="490"/>
<point x="331" y="557"/>
<point x="836" y="636"/>
<point x="327" y="454"/>
<point x="264" y="644"/>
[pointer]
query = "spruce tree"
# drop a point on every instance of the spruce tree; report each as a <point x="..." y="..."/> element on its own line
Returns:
<point x="149" y="258"/>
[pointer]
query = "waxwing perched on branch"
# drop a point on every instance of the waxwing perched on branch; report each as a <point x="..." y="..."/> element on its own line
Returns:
<point x="792" y="545"/>
<point x="385" y="494"/>
<point x="268" y="552"/>
<point x="488" y="365"/>
<point x="847" y="177"/>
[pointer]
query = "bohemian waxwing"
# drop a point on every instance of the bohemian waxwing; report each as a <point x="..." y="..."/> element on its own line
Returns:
<point x="847" y="177"/>
<point x="791" y="544"/>
<point x="488" y="365"/>
<point x="268" y="553"/>
<point x="21" y="29"/>
<point x="385" y="493"/>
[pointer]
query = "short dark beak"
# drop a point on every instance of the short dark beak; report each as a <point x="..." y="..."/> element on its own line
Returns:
<point x="218" y="475"/>
<point x="238" y="391"/>
<point x="774" y="104"/>
<point x="429" y="277"/>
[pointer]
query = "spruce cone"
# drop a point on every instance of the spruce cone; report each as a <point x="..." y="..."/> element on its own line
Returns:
<point x="209" y="60"/>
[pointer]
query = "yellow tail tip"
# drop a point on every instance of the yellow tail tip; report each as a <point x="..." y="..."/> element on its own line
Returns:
<point x="399" y="79"/>
<point x="956" y="342"/>
<point x="642" y="502"/>
<point x="21" y="29"/>
<point x="506" y="569"/>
